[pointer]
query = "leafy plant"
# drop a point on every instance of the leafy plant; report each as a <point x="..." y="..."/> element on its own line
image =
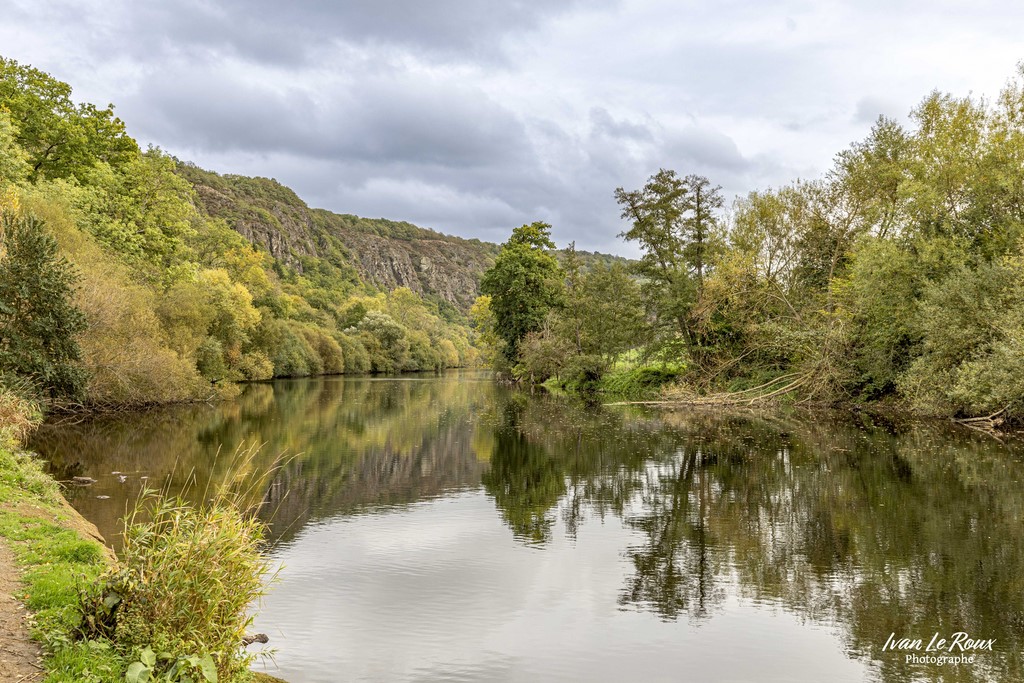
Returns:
<point x="186" y="578"/>
<point x="166" y="667"/>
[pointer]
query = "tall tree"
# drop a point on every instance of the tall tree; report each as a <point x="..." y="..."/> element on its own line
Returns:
<point x="38" y="320"/>
<point x="675" y="223"/>
<point x="700" y="223"/>
<point x="523" y="284"/>
<point x="656" y="212"/>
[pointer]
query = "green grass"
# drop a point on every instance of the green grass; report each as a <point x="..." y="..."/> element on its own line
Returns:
<point x="56" y="563"/>
<point x="639" y="382"/>
<point x="181" y="588"/>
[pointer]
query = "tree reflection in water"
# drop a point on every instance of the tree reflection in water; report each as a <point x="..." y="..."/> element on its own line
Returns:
<point x="870" y="529"/>
<point x="875" y="529"/>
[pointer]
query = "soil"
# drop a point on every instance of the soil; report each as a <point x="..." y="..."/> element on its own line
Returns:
<point x="20" y="656"/>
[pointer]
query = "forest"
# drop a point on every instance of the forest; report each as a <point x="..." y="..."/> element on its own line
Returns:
<point x="118" y="287"/>
<point x="896" y="278"/>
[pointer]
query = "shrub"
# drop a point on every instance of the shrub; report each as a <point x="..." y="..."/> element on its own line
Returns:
<point x="186" y="578"/>
<point x="256" y="365"/>
<point x="641" y="381"/>
<point x="18" y="415"/>
<point x="583" y="373"/>
<point x="38" y="318"/>
<point x="357" y="359"/>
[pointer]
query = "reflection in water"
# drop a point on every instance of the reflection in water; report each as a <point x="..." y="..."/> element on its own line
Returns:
<point x="710" y="521"/>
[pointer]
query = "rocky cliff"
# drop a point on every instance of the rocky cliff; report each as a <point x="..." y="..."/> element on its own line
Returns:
<point x="386" y="254"/>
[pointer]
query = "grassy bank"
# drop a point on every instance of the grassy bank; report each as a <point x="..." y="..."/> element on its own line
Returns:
<point x="46" y="539"/>
<point x="174" y="607"/>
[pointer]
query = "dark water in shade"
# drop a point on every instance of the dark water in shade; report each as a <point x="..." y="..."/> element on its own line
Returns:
<point x="448" y="529"/>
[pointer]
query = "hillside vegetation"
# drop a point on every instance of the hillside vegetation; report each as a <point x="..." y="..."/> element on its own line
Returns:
<point x="155" y="281"/>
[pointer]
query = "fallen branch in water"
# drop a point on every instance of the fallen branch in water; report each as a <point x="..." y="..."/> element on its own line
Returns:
<point x="994" y="418"/>
<point x="987" y="424"/>
<point x="732" y="398"/>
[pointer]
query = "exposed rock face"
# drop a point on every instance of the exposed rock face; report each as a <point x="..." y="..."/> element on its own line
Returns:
<point x="444" y="268"/>
<point x="285" y="231"/>
<point x="386" y="254"/>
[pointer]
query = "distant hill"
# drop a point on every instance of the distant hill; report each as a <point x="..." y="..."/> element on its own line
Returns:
<point x="385" y="253"/>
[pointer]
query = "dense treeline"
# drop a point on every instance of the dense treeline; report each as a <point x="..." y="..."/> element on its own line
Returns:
<point x="115" y="289"/>
<point x="899" y="275"/>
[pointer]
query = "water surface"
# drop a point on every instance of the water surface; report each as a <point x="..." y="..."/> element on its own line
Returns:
<point x="448" y="529"/>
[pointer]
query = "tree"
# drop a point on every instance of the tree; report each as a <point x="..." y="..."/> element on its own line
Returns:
<point x="700" y="223"/>
<point x="13" y="160"/>
<point x="482" y="318"/>
<point x="523" y="285"/>
<point x="674" y="221"/>
<point x="613" y="316"/>
<point x="38" y="320"/>
<point x="62" y="139"/>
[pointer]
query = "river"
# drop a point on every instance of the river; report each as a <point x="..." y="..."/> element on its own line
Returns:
<point x="450" y="529"/>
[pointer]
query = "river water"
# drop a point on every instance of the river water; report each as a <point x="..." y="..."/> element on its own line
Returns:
<point x="450" y="529"/>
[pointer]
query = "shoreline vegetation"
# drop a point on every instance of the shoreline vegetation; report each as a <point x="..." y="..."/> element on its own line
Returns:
<point x="173" y="607"/>
<point x="895" y="281"/>
<point x="122" y="286"/>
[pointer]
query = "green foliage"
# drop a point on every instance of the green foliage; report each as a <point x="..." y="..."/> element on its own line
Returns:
<point x="38" y="318"/>
<point x="62" y="139"/>
<point x="167" y="667"/>
<point x="291" y="353"/>
<point x="357" y="358"/>
<point x="385" y="341"/>
<point x="14" y="166"/>
<point x="601" y="316"/>
<point x="674" y="222"/>
<point x="972" y="326"/>
<point x="523" y="285"/>
<point x="641" y="381"/>
<point x="182" y="588"/>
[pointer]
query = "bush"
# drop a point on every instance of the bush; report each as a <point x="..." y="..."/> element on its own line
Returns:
<point x="357" y="359"/>
<point x="583" y="373"/>
<point x="641" y="381"/>
<point x="18" y="415"/>
<point x="38" y="318"/>
<point x="186" y="578"/>
<point x="256" y="365"/>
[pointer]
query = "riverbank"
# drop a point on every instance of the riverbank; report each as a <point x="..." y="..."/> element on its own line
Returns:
<point x="48" y="552"/>
<point x="58" y="576"/>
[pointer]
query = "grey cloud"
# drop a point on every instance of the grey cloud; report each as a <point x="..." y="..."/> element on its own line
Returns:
<point x="707" y="150"/>
<point x="292" y="32"/>
<point x="384" y="120"/>
<point x="604" y="124"/>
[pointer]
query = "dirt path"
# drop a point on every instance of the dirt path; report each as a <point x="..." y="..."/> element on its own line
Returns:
<point x="19" y="654"/>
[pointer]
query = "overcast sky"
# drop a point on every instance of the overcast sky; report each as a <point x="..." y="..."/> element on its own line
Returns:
<point x="472" y="117"/>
